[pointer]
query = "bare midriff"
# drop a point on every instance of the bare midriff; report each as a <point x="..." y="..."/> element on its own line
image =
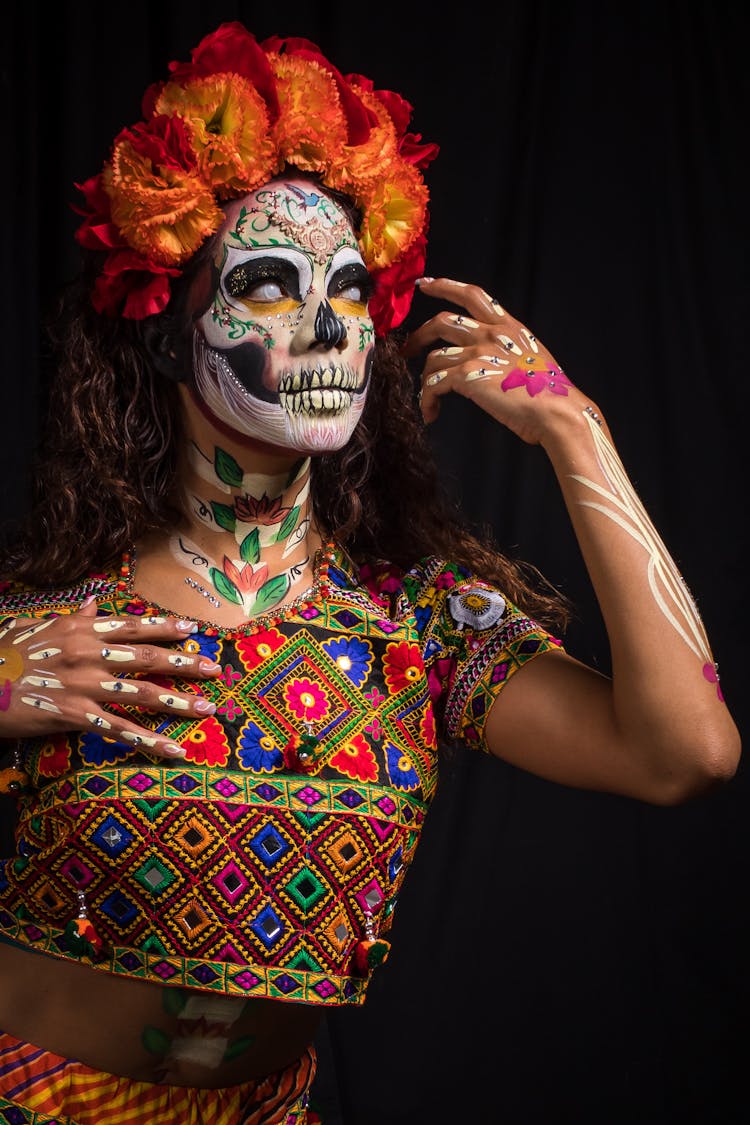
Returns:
<point x="133" y="1029"/>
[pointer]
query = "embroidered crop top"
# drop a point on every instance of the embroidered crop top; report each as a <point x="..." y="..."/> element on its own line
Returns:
<point x="268" y="861"/>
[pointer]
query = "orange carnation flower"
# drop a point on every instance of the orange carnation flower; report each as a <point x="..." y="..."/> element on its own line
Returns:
<point x="159" y="202"/>
<point x="311" y="130"/>
<point x="372" y="158"/>
<point x="228" y="123"/>
<point x="395" y="215"/>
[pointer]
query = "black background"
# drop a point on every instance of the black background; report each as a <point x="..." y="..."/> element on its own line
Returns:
<point x="559" y="956"/>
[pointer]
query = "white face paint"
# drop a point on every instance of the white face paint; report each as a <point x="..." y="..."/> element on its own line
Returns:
<point x="284" y="349"/>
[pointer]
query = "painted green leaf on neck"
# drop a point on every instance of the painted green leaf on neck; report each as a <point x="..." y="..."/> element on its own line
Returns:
<point x="271" y="593"/>
<point x="250" y="547"/>
<point x="225" y="586"/>
<point x="227" y="469"/>
<point x="288" y="524"/>
<point x="224" y="515"/>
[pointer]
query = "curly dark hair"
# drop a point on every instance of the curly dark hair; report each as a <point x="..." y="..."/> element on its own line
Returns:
<point x="107" y="466"/>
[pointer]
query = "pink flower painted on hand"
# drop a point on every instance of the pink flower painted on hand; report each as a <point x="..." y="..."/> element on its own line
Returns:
<point x="537" y="376"/>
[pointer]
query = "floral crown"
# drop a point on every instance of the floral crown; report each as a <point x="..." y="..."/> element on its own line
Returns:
<point x="235" y="116"/>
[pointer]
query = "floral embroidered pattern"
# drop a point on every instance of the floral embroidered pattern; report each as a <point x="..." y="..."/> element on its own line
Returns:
<point x="269" y="860"/>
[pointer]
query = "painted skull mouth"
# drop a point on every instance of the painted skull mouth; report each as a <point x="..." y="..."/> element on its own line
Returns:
<point x="319" y="390"/>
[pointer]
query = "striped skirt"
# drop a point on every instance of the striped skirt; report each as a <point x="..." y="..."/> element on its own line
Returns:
<point x="38" y="1087"/>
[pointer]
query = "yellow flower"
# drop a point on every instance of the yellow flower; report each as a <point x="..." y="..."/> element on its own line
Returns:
<point x="228" y="124"/>
<point x="395" y="213"/>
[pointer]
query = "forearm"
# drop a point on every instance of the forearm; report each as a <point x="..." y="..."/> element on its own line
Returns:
<point x="665" y="694"/>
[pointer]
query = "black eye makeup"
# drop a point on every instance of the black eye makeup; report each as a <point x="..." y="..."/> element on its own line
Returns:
<point x="263" y="279"/>
<point x="351" y="282"/>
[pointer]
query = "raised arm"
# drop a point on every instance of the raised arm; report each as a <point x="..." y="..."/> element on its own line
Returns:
<point x="658" y="730"/>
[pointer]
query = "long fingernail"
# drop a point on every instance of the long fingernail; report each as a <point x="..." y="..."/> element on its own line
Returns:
<point x="98" y="721"/>
<point x="209" y="666"/>
<point x="138" y="739"/>
<point x="435" y="378"/>
<point x="421" y="280"/>
<point x="118" y="686"/>
<point x="204" y="707"/>
<point x="188" y="626"/>
<point x="174" y="701"/>
<point x="173" y="750"/>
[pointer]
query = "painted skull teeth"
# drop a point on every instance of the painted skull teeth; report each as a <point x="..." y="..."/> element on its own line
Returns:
<point x="339" y="377"/>
<point x="312" y="402"/>
<point x="329" y="389"/>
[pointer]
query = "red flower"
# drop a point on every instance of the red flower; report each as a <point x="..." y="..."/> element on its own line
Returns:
<point x="54" y="756"/>
<point x="132" y="285"/>
<point x="356" y="760"/>
<point x="97" y="231"/>
<point x="394" y="288"/>
<point x="261" y="510"/>
<point x="246" y="580"/>
<point x="402" y="665"/>
<point x="206" y="743"/>
<point x="253" y="650"/>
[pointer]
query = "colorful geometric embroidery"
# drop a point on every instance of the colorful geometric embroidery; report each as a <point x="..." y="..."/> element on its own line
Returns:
<point x="250" y="867"/>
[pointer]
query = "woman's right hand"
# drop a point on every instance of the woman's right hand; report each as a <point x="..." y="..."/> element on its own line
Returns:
<point x="58" y="672"/>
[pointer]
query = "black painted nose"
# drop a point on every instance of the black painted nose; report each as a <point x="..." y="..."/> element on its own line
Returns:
<point x="329" y="329"/>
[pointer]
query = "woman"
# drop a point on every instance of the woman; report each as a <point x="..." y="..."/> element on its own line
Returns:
<point x="237" y="627"/>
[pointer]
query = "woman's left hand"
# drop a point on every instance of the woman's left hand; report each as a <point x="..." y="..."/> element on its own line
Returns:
<point x="492" y="359"/>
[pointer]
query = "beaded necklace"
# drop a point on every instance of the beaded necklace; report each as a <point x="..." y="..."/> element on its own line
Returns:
<point x="319" y="590"/>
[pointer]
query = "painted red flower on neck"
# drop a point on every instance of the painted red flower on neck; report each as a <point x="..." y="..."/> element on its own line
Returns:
<point x="260" y="509"/>
<point x="246" y="580"/>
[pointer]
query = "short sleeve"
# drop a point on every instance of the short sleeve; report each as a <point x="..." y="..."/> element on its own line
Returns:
<point x="473" y="640"/>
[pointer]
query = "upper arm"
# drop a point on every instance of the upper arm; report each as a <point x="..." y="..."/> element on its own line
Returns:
<point x="556" y="719"/>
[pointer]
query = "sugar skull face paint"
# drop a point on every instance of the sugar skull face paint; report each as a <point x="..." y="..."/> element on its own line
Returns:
<point x="283" y="351"/>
